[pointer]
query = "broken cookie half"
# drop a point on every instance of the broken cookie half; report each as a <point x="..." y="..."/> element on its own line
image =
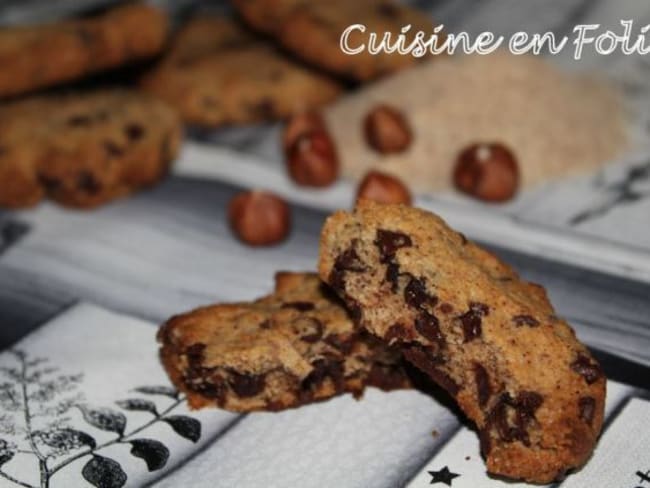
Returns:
<point x="295" y="346"/>
<point x="463" y="317"/>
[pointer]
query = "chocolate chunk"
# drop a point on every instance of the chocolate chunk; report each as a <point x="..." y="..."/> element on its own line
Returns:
<point x="389" y="242"/>
<point x="323" y="369"/>
<point x="265" y="324"/>
<point x="112" y="149"/>
<point x="246" y="385"/>
<point x="520" y="320"/>
<point x="485" y="441"/>
<point x="416" y="296"/>
<point x="339" y="343"/>
<point x="349" y="260"/>
<point x="300" y="306"/>
<point x="430" y="363"/>
<point x="214" y="388"/>
<point x="471" y="320"/>
<point x="87" y="183"/>
<point x="525" y="405"/>
<point x="134" y="132"/>
<point x="397" y="332"/>
<point x="483" y="389"/>
<point x="50" y="183"/>
<point x="392" y="276"/>
<point x="194" y="354"/>
<point x="311" y="328"/>
<point x="427" y="325"/>
<point x="588" y="369"/>
<point x="446" y="308"/>
<point x="587" y="407"/>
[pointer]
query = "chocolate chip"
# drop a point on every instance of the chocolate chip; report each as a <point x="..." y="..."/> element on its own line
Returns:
<point x="311" y="329"/>
<point x="50" y="183"/>
<point x="246" y="385"/>
<point x="427" y="325"/>
<point x="589" y="370"/>
<point x="389" y="242"/>
<point x="521" y="320"/>
<point x="397" y="332"/>
<point x="339" y="343"/>
<point x="426" y="361"/>
<point x="265" y="324"/>
<point x="194" y="354"/>
<point x="485" y="441"/>
<point x="87" y="183"/>
<point x="483" y="389"/>
<point x="322" y="369"/>
<point x="416" y="296"/>
<point x="112" y="149"/>
<point x="525" y="405"/>
<point x="214" y="388"/>
<point x="446" y="308"/>
<point x="392" y="276"/>
<point x="300" y="306"/>
<point x="79" y="121"/>
<point x="587" y="407"/>
<point x="349" y="260"/>
<point x="471" y="320"/>
<point x="354" y="309"/>
<point x="134" y="132"/>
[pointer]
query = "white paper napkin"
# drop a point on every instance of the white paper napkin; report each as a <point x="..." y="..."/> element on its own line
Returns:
<point x="84" y="402"/>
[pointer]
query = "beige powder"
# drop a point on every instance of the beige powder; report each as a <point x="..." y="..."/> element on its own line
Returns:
<point x="556" y="124"/>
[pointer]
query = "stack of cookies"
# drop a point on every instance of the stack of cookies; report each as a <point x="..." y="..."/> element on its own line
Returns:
<point x="81" y="149"/>
<point x="400" y="287"/>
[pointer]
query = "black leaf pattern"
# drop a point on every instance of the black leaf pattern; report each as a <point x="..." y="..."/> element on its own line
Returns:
<point x="158" y="390"/>
<point x="184" y="426"/>
<point x="104" y="418"/>
<point x="154" y="453"/>
<point x="6" y="452"/>
<point x="66" y="439"/>
<point x="138" y="404"/>
<point x="104" y="472"/>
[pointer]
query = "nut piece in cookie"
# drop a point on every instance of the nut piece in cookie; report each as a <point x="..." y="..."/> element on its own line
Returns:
<point x="295" y="346"/>
<point x="469" y="322"/>
<point x="217" y="73"/>
<point x="43" y="55"/>
<point x="83" y="150"/>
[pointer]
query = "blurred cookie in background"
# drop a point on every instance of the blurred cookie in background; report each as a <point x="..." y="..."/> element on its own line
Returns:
<point x="39" y="56"/>
<point x="312" y="31"/>
<point x="217" y="73"/>
<point x="83" y="150"/>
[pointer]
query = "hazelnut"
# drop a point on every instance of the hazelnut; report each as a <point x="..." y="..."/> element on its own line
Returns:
<point x="299" y="125"/>
<point x="383" y="188"/>
<point x="312" y="159"/>
<point x="259" y="218"/>
<point x="387" y="130"/>
<point x="488" y="172"/>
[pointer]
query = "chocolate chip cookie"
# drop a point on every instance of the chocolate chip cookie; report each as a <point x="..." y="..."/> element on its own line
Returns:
<point x="312" y="31"/>
<point x="217" y="73"/>
<point x="295" y="346"/>
<point x="42" y="55"/>
<point x="490" y="339"/>
<point x="83" y="150"/>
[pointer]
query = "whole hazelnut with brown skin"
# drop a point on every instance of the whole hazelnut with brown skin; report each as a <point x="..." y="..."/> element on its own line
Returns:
<point x="300" y="124"/>
<point x="488" y="172"/>
<point x="383" y="188"/>
<point x="312" y="159"/>
<point x="387" y="130"/>
<point x="259" y="218"/>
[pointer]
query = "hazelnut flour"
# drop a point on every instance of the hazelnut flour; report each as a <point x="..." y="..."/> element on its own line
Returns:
<point x="554" y="123"/>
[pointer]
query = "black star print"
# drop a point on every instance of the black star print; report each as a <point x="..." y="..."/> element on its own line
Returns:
<point x="443" y="476"/>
